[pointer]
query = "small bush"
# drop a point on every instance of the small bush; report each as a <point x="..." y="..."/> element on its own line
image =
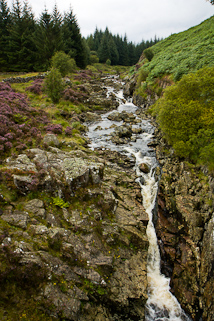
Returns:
<point x="108" y="62"/>
<point x="74" y="96"/>
<point x="59" y="202"/>
<point x="54" y="128"/>
<point x="53" y="85"/>
<point x="64" y="63"/>
<point x="148" y="53"/>
<point x="36" y="87"/>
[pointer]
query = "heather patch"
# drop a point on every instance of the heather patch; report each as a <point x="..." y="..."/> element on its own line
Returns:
<point x="36" y="87"/>
<point x="20" y="125"/>
<point x="74" y="96"/>
<point x="54" y="128"/>
<point x="83" y="75"/>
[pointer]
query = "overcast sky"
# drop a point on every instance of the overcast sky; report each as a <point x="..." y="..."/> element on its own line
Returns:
<point x="138" y="19"/>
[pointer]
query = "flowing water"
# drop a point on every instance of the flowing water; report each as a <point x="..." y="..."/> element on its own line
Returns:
<point x="161" y="304"/>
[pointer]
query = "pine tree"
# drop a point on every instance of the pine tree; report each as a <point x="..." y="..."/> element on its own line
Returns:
<point x="20" y="42"/>
<point x="104" y="50"/>
<point x="97" y="38"/>
<point x="72" y="39"/>
<point x="57" y="39"/>
<point x="124" y="53"/>
<point x="42" y="40"/>
<point x="4" y="33"/>
<point x="48" y="37"/>
<point x="132" y="54"/>
<point x="114" y="55"/>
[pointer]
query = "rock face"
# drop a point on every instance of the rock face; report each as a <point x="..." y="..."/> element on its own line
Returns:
<point x="185" y="231"/>
<point x="54" y="171"/>
<point x="77" y="232"/>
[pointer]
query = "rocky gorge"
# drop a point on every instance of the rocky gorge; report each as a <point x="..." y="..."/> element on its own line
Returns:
<point x="184" y="226"/>
<point x="74" y="243"/>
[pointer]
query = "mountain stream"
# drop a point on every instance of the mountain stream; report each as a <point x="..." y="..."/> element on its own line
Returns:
<point x="161" y="304"/>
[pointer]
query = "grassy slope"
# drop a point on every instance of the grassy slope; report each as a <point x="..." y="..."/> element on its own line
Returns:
<point x="181" y="56"/>
<point x="181" y="53"/>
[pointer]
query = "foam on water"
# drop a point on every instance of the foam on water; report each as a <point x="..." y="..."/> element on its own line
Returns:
<point x="161" y="304"/>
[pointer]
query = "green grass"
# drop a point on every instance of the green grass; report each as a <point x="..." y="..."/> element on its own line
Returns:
<point x="179" y="54"/>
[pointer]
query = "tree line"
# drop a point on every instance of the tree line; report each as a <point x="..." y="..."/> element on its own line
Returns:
<point x="116" y="49"/>
<point x="27" y="44"/>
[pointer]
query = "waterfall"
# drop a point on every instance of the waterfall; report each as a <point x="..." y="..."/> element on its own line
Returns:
<point x="161" y="304"/>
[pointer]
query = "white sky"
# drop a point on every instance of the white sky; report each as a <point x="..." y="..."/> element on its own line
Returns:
<point x="138" y="19"/>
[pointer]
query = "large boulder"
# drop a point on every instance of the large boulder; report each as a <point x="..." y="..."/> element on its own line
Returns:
<point x="54" y="170"/>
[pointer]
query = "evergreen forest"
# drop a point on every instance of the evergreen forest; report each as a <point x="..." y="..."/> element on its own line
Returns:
<point x="105" y="47"/>
<point x="27" y="44"/>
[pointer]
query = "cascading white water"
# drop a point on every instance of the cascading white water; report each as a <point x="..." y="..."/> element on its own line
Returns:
<point x="161" y="304"/>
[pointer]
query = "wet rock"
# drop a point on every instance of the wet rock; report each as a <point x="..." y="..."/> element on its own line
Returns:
<point x="123" y="131"/>
<point x="137" y="130"/>
<point x="144" y="168"/>
<point x="115" y="116"/>
<point x="92" y="117"/>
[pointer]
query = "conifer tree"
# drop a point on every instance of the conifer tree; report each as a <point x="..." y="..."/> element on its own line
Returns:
<point x="42" y="39"/>
<point x="104" y="50"/>
<point x="97" y="38"/>
<point x="72" y="39"/>
<point x="48" y="37"/>
<point x="20" y="42"/>
<point x="4" y="33"/>
<point x="131" y="53"/>
<point x="114" y="55"/>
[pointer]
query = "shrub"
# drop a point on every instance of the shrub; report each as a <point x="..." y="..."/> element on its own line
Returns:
<point x="53" y="85"/>
<point x="36" y="87"/>
<point x="68" y="131"/>
<point x="54" y="128"/>
<point x="186" y="116"/>
<point x="94" y="59"/>
<point x="59" y="202"/>
<point x="148" y="53"/>
<point x="108" y="62"/>
<point x="19" y="122"/>
<point x="63" y="62"/>
<point x="74" y="96"/>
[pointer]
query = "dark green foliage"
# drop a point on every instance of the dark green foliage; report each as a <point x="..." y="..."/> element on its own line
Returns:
<point x="72" y="39"/>
<point x="115" y="48"/>
<point x="148" y="53"/>
<point x="48" y="38"/>
<point x="63" y="63"/>
<point x="104" y="49"/>
<point x="4" y="33"/>
<point x="53" y="85"/>
<point x="27" y="44"/>
<point x="20" y="46"/>
<point x="93" y="57"/>
<point x="186" y="116"/>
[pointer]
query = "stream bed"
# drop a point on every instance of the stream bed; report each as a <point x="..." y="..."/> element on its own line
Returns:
<point x="123" y="131"/>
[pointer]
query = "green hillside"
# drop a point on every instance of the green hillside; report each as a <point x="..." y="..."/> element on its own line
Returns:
<point x="184" y="63"/>
<point x="177" y="55"/>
